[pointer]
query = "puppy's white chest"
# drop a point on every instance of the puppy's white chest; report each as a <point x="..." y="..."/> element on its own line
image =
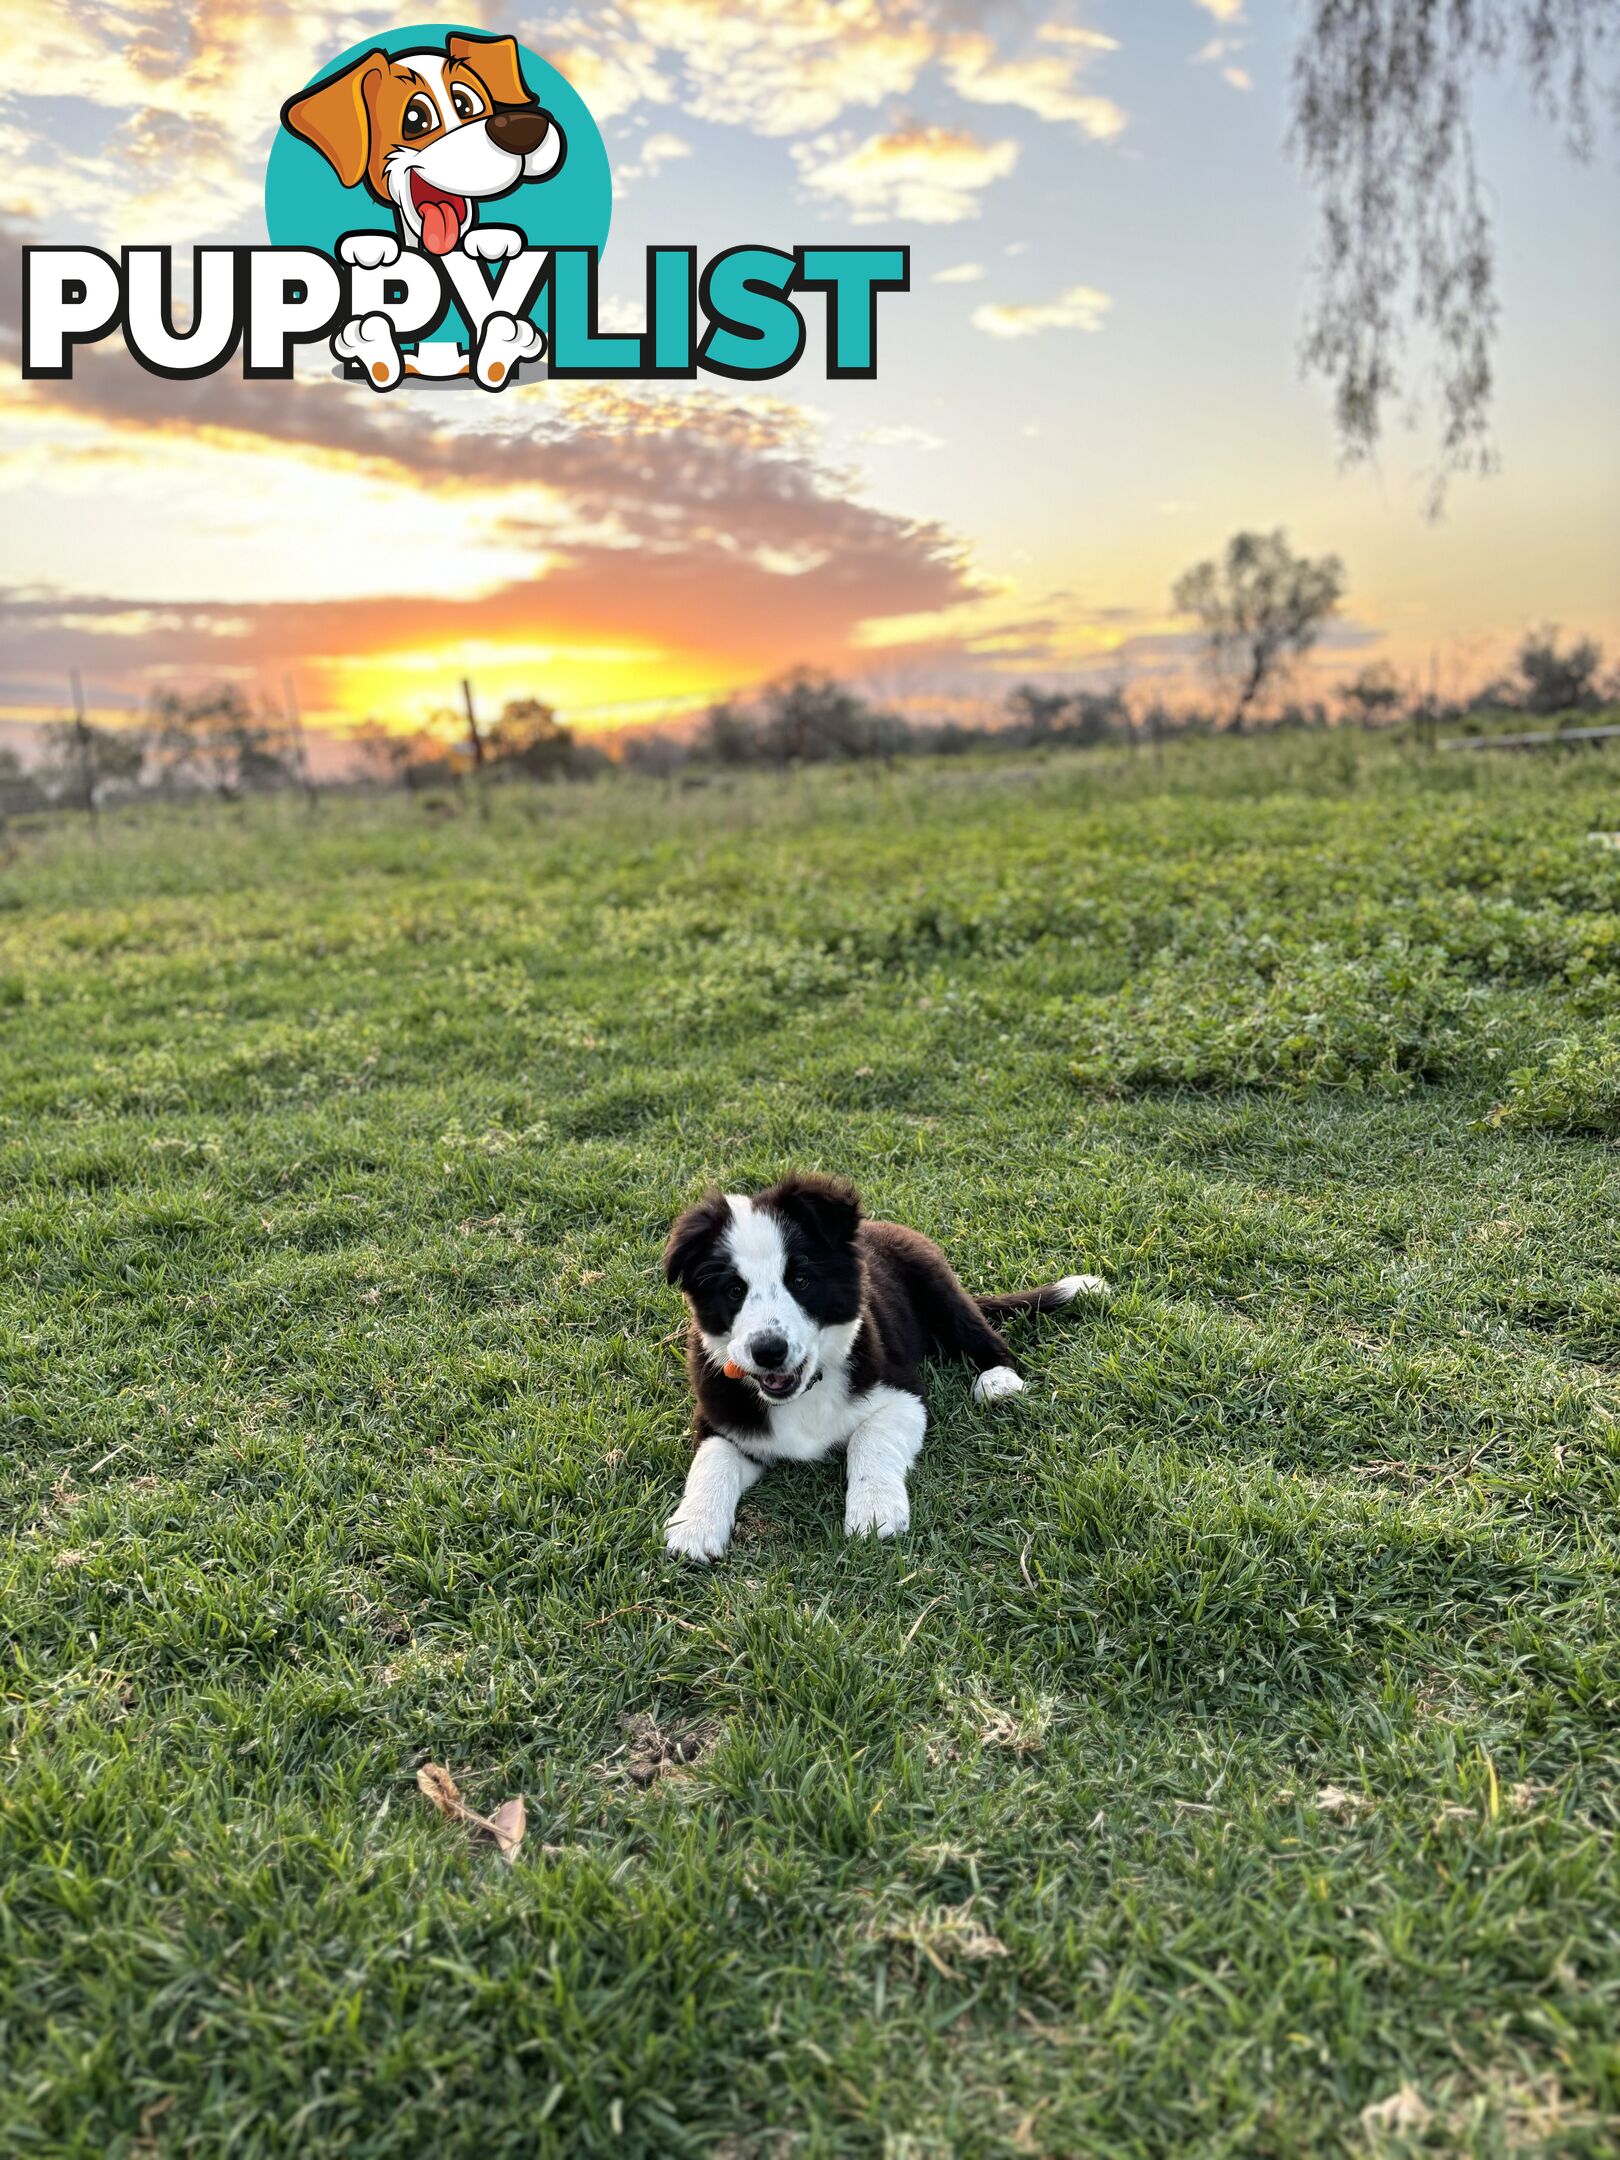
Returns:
<point x="810" y="1426"/>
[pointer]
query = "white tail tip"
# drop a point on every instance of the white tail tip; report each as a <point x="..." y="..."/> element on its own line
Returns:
<point x="1074" y="1286"/>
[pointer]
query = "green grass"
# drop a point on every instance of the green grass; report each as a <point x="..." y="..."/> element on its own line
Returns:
<point x="1232" y="1743"/>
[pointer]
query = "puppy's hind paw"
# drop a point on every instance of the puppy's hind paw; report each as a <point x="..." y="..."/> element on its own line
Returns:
<point x="996" y="1384"/>
<point x="505" y="342"/>
<point x="369" y="344"/>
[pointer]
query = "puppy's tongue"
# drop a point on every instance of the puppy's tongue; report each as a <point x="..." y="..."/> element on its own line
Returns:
<point x="441" y="224"/>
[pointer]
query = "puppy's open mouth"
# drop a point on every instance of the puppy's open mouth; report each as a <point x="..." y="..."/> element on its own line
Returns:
<point x="778" y="1386"/>
<point x="444" y="216"/>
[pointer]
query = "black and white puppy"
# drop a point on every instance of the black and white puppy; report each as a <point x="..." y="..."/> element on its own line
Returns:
<point x="809" y="1328"/>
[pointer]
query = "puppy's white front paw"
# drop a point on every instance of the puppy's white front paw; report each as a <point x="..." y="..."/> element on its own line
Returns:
<point x="504" y="342"/>
<point x="696" y="1535"/>
<point x="368" y="250"/>
<point x="999" y="1382"/>
<point x="492" y="243"/>
<point x="370" y="343"/>
<point x="882" y="1510"/>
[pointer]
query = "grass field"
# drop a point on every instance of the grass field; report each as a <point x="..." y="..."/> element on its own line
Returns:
<point x="1230" y="1749"/>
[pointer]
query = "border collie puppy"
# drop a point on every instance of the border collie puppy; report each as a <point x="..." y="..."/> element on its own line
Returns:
<point x="809" y="1328"/>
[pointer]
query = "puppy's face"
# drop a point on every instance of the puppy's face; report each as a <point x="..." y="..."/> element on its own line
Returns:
<point x="431" y="132"/>
<point x="774" y="1282"/>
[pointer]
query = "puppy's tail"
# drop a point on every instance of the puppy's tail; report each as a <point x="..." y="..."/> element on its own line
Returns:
<point x="1045" y="1299"/>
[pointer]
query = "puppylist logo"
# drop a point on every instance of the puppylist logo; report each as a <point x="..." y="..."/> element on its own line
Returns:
<point x="437" y="202"/>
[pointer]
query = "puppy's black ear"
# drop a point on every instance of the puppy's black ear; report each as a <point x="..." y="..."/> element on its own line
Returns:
<point x="693" y="1234"/>
<point x="828" y="1207"/>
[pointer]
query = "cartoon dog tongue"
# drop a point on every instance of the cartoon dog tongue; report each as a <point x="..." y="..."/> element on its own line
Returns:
<point x="441" y="223"/>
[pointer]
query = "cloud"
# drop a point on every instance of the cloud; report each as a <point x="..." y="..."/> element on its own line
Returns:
<point x="903" y="436"/>
<point x="634" y="543"/>
<point x="1238" y="78"/>
<point x="794" y="67"/>
<point x="779" y="67"/>
<point x="1075" y="34"/>
<point x="965" y="273"/>
<point x="1224" y="11"/>
<point x="1046" y="84"/>
<point x="658" y="150"/>
<point x="924" y="175"/>
<point x="188" y="99"/>
<point x="1082" y="307"/>
<point x="174" y="106"/>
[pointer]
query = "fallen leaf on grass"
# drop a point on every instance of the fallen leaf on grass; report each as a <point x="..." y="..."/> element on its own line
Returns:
<point x="504" y="1828"/>
<point x="442" y="1789"/>
<point x="1404" y="2109"/>
<point x="1334" y="1800"/>
<point x="507" y="1826"/>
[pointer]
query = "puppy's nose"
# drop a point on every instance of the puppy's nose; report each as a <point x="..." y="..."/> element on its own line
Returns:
<point x="769" y="1352"/>
<point x="520" y="131"/>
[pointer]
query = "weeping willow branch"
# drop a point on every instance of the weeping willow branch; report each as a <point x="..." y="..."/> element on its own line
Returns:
<point x="1383" y="127"/>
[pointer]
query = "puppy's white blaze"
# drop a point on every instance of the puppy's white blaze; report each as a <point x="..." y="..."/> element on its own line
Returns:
<point x="756" y="1248"/>
<point x="994" y="1385"/>
<point x="1074" y="1286"/>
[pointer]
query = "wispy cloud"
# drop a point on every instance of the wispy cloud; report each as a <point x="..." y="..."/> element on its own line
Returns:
<point x="964" y="273"/>
<point x="778" y="67"/>
<point x="1082" y="307"/>
<point x="924" y="175"/>
<point x="1046" y="84"/>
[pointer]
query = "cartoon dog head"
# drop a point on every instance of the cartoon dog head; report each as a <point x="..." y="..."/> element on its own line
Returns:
<point x="431" y="133"/>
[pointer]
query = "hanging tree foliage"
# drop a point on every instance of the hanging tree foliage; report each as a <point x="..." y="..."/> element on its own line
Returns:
<point x="1383" y="127"/>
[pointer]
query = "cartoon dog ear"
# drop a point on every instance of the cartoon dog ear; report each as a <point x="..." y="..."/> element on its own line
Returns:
<point x="692" y="1235"/>
<point x="335" y="117"/>
<point x="495" y="59"/>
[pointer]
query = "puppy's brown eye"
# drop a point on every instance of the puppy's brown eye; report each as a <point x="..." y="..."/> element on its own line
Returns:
<point x="465" y="102"/>
<point x="421" y="118"/>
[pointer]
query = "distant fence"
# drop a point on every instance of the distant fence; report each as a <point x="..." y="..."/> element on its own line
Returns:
<point x="1543" y="739"/>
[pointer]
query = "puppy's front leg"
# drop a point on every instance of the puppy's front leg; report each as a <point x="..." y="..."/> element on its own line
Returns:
<point x="882" y="1448"/>
<point x="700" y="1528"/>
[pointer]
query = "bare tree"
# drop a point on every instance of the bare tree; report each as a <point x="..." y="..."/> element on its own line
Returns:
<point x="1259" y="608"/>
<point x="1382" y="126"/>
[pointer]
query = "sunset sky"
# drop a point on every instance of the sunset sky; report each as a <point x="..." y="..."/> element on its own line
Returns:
<point x="1093" y="381"/>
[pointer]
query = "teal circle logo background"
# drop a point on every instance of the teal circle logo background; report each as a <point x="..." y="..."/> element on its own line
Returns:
<point x="306" y="205"/>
